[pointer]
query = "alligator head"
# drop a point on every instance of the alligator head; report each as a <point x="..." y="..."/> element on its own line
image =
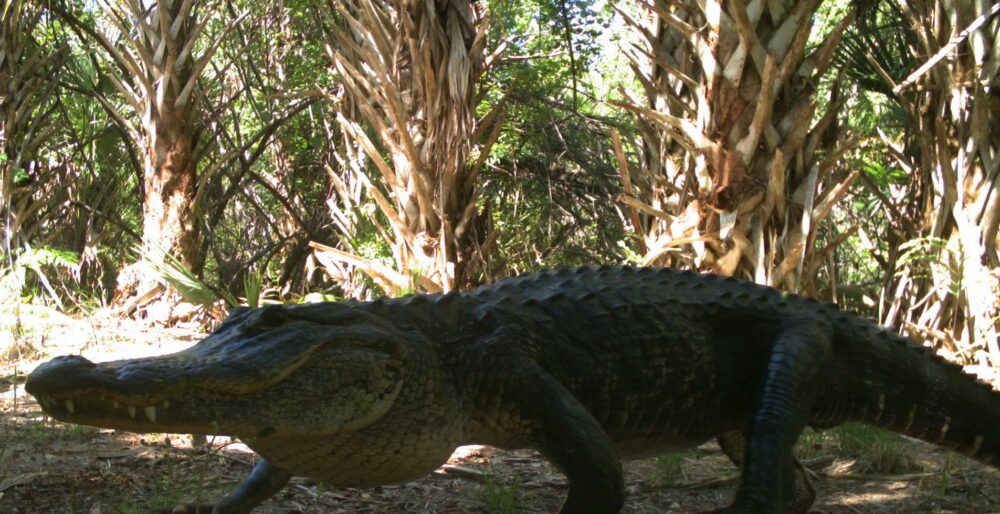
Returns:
<point x="299" y="370"/>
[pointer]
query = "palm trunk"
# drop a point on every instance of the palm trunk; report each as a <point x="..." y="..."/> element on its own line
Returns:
<point x="732" y="165"/>
<point x="169" y="224"/>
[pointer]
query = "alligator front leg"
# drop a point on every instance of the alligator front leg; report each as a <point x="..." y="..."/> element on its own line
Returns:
<point x="770" y="483"/>
<point x="567" y="435"/>
<point x="264" y="481"/>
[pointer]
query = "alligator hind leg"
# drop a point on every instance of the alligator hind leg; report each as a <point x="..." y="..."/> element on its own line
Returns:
<point x="733" y="444"/>
<point x="265" y="480"/>
<point x="769" y="481"/>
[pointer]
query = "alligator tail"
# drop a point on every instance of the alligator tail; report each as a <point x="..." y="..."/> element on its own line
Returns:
<point x="907" y="389"/>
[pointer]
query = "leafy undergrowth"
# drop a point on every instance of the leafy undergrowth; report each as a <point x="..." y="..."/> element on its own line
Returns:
<point x="53" y="467"/>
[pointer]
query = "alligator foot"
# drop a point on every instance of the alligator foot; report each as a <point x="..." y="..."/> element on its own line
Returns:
<point x="265" y="480"/>
<point x="733" y="444"/>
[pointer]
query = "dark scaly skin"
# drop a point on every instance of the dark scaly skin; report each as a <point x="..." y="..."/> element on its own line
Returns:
<point x="587" y="365"/>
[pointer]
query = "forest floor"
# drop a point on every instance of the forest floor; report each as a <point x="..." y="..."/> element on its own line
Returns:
<point x="47" y="466"/>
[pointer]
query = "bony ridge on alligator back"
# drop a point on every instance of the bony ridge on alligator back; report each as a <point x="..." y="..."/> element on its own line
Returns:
<point x="588" y="365"/>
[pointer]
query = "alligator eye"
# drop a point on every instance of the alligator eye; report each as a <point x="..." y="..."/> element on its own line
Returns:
<point x="269" y="317"/>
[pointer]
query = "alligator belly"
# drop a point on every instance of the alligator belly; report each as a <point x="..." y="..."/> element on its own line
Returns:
<point x="676" y="426"/>
<point x="341" y="462"/>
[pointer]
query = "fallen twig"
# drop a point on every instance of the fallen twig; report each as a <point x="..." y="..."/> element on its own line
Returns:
<point x="21" y="479"/>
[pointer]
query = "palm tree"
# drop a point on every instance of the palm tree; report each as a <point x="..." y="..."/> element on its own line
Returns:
<point x="158" y="63"/>
<point x="939" y="68"/>
<point x="410" y="72"/>
<point x="733" y="168"/>
<point x="30" y="191"/>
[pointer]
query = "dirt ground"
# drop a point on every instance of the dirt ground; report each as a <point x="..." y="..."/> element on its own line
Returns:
<point x="53" y="467"/>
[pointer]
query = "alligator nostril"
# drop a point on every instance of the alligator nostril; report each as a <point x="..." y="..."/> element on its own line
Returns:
<point x="50" y="376"/>
<point x="69" y="363"/>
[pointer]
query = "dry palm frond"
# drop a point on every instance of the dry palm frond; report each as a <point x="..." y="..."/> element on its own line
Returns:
<point x="410" y="71"/>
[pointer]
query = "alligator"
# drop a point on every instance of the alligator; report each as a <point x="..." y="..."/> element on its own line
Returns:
<point x="587" y="365"/>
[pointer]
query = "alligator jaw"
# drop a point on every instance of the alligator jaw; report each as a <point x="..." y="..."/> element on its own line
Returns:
<point x="104" y="410"/>
<point x="116" y="395"/>
<point x="243" y="380"/>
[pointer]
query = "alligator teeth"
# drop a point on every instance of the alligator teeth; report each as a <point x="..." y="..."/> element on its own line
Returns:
<point x="150" y="413"/>
<point x="70" y="407"/>
<point x="131" y="411"/>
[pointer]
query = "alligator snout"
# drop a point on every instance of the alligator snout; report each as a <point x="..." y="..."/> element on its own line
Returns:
<point x="59" y="374"/>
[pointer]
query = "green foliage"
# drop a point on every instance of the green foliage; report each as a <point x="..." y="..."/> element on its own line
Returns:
<point x="878" y="451"/>
<point x="191" y="288"/>
<point x="879" y="41"/>
<point x="499" y="498"/>
<point x="670" y="466"/>
<point x="630" y="255"/>
<point x="253" y="286"/>
<point x="46" y="256"/>
<point x="550" y="180"/>
<point x="932" y="257"/>
<point x="14" y="282"/>
<point x="873" y="450"/>
<point x="882" y="175"/>
<point x="548" y="187"/>
<point x="43" y="433"/>
<point x="921" y="255"/>
<point x="810" y="444"/>
<point x="923" y="250"/>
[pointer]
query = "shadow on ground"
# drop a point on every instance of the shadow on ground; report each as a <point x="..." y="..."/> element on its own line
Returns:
<point x="53" y="467"/>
